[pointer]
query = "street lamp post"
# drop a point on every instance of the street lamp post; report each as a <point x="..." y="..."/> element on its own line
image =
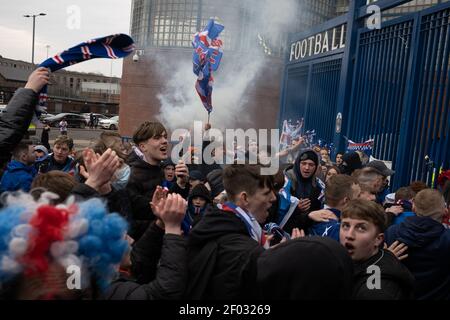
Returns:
<point x="34" y="28"/>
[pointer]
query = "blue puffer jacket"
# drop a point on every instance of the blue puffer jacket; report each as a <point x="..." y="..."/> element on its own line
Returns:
<point x="428" y="255"/>
<point x="17" y="176"/>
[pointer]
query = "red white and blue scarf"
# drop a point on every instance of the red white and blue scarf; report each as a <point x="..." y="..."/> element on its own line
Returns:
<point x="111" y="47"/>
<point x="254" y="229"/>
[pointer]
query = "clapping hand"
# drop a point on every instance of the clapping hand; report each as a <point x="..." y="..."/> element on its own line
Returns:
<point x="171" y="210"/>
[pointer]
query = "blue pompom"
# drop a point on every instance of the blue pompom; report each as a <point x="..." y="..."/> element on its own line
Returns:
<point x="10" y="217"/>
<point x="90" y="246"/>
<point x="114" y="227"/>
<point x="93" y="209"/>
<point x="96" y="228"/>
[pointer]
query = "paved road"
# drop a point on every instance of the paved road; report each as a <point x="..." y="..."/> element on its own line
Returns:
<point x="82" y="137"/>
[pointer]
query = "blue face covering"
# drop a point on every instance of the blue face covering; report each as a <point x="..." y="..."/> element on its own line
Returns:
<point x="122" y="175"/>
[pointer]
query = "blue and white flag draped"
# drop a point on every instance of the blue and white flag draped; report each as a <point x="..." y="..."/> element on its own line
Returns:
<point x="206" y="59"/>
<point x="111" y="47"/>
<point x="366" y="147"/>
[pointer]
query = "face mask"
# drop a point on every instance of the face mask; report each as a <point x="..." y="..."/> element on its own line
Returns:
<point x="121" y="177"/>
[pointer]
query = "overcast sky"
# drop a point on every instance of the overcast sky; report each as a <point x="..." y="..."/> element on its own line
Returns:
<point x="59" y="28"/>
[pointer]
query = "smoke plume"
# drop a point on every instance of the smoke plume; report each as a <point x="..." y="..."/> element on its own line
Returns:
<point x="266" y="26"/>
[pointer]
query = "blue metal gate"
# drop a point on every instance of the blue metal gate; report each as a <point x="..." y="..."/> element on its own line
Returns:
<point x="429" y="125"/>
<point x="391" y="85"/>
<point x="322" y="101"/>
<point x="379" y="87"/>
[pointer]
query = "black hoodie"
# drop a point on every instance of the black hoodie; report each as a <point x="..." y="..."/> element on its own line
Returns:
<point x="311" y="188"/>
<point x="305" y="188"/>
<point x="396" y="282"/>
<point x="221" y="258"/>
<point x="195" y="214"/>
<point x="428" y="255"/>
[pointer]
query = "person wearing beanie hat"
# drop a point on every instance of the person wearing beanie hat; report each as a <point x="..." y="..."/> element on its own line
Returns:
<point x="41" y="152"/>
<point x="166" y="163"/>
<point x="214" y="182"/>
<point x="428" y="245"/>
<point x="199" y="200"/>
<point x="196" y="177"/>
<point x="351" y="162"/>
<point x="306" y="187"/>
<point x="169" y="173"/>
<point x="200" y="191"/>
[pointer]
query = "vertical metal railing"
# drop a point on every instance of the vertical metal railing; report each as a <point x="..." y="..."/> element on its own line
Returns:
<point x="321" y="106"/>
<point x="431" y="124"/>
<point x="399" y="93"/>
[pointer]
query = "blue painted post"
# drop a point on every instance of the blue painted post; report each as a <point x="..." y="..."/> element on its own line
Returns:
<point x="409" y="109"/>
<point x="345" y="86"/>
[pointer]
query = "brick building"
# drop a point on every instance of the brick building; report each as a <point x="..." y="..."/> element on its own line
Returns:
<point x="68" y="91"/>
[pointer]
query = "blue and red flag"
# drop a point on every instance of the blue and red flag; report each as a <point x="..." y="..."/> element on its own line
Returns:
<point x="366" y="147"/>
<point x="206" y="59"/>
<point x="111" y="47"/>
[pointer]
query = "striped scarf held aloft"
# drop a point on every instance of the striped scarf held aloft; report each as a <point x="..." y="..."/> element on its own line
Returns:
<point x="111" y="47"/>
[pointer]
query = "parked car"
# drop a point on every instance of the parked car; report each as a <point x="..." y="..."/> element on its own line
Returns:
<point x="73" y="120"/>
<point x="45" y="114"/>
<point x="111" y="124"/>
<point x="99" y="116"/>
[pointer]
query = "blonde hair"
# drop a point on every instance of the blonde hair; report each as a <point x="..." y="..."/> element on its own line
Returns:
<point x="430" y="203"/>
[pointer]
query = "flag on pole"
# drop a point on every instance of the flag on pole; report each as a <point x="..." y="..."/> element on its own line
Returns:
<point x="206" y="59"/>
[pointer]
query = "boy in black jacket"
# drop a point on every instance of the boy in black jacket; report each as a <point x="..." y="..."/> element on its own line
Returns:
<point x="151" y="148"/>
<point x="224" y="244"/>
<point x="378" y="275"/>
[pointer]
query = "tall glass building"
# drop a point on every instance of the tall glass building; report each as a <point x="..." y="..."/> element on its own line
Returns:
<point x="168" y="26"/>
<point x="171" y="23"/>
